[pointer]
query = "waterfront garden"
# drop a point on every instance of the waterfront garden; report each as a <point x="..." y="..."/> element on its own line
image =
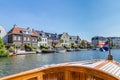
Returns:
<point x="5" y="50"/>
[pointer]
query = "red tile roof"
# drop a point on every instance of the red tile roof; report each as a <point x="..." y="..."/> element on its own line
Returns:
<point x="16" y="30"/>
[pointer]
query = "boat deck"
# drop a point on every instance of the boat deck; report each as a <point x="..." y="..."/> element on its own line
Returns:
<point x="81" y="70"/>
<point x="109" y="66"/>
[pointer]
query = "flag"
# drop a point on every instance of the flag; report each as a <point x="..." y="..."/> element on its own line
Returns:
<point x="103" y="46"/>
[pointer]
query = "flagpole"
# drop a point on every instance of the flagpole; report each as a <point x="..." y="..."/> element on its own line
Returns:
<point x="110" y="57"/>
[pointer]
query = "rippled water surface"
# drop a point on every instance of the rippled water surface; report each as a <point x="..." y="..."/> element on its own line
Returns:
<point x="21" y="63"/>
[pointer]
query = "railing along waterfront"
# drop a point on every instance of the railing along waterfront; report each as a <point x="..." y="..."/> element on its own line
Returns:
<point x="63" y="73"/>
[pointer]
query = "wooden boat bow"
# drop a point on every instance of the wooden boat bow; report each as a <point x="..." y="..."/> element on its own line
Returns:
<point x="82" y="70"/>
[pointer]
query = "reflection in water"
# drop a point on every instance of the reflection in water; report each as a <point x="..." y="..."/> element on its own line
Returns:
<point x="26" y="62"/>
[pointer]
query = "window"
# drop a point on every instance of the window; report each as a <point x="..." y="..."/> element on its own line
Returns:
<point x="32" y="39"/>
<point x="43" y="35"/>
<point x="45" y="40"/>
<point x="42" y="40"/>
<point x="49" y="35"/>
<point x="19" y="38"/>
<point x="35" y="39"/>
<point x="28" y="39"/>
<point x="26" y="32"/>
<point x="24" y="38"/>
<point x="14" y="38"/>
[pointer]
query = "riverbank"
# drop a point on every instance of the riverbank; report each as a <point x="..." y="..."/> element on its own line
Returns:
<point x="23" y="52"/>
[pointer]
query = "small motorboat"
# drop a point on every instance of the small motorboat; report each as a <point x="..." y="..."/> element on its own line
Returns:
<point x="48" y="51"/>
<point x="60" y="50"/>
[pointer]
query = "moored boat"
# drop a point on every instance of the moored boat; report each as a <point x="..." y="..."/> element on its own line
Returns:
<point x="60" y="50"/>
<point x="13" y="54"/>
<point x="48" y="51"/>
<point x="70" y="50"/>
<point x="38" y="51"/>
<point x="77" y="49"/>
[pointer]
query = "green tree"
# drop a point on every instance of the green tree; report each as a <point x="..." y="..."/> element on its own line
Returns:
<point x="72" y="45"/>
<point x="76" y="42"/>
<point x="39" y="38"/>
<point x="1" y="44"/>
<point x="88" y="45"/>
<point x="3" y="52"/>
<point x="112" y="45"/>
<point x="82" y="44"/>
<point x="61" y="40"/>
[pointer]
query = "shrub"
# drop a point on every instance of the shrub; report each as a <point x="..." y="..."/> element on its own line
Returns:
<point x="28" y="47"/>
<point x="3" y="52"/>
<point x="58" y="46"/>
<point x="67" y="47"/>
<point x="44" y="47"/>
<point x="11" y="49"/>
<point x="75" y="47"/>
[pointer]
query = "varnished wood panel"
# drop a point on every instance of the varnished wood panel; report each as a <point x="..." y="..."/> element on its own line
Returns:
<point x="63" y="73"/>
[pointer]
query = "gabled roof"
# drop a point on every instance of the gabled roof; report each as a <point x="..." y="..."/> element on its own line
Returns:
<point x="17" y="30"/>
<point x="52" y="36"/>
<point x="75" y="38"/>
<point x="41" y="33"/>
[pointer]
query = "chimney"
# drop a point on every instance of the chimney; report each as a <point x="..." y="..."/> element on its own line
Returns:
<point x="33" y="30"/>
<point x="28" y="28"/>
<point x="14" y="25"/>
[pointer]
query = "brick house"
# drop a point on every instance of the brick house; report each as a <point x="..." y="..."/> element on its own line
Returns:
<point x="53" y="39"/>
<point x="20" y="36"/>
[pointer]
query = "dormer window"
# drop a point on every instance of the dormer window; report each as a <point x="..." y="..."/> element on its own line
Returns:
<point x="40" y="34"/>
<point x="20" y="31"/>
<point x="49" y="35"/>
<point x="26" y="32"/>
<point x="43" y="35"/>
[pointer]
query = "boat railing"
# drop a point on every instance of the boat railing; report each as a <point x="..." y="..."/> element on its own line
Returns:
<point x="63" y="73"/>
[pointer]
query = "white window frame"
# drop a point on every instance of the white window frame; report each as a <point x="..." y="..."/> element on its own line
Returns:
<point x="28" y="39"/>
<point x="19" y="38"/>
<point x="24" y="38"/>
<point x="14" y="37"/>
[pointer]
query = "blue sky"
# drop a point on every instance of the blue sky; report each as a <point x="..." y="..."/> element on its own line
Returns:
<point x="86" y="18"/>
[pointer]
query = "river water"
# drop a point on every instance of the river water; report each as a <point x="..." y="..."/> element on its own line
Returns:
<point x="21" y="63"/>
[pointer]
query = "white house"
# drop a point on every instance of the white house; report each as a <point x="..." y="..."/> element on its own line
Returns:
<point x="44" y="41"/>
<point x="65" y="37"/>
<point x="3" y="33"/>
